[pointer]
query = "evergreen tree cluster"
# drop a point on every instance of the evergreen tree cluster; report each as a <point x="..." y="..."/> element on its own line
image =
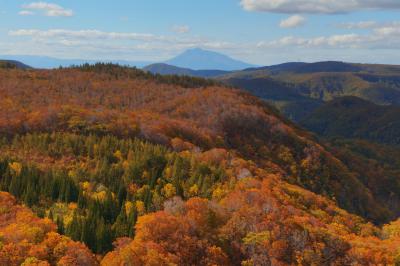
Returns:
<point x="117" y="71"/>
<point x="112" y="182"/>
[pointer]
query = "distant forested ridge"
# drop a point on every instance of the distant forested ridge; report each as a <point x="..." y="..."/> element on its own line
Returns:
<point x="297" y="89"/>
<point x="12" y="64"/>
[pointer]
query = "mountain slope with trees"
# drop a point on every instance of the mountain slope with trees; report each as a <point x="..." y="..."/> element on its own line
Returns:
<point x="13" y="64"/>
<point x="107" y="99"/>
<point x="179" y="170"/>
<point x="318" y="82"/>
<point x="352" y="117"/>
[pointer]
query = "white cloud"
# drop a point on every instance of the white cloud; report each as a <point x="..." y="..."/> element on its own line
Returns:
<point x="335" y="41"/>
<point x="317" y="6"/>
<point x="114" y="44"/>
<point x="26" y="13"/>
<point x="293" y="22"/>
<point x="83" y="34"/>
<point x="181" y="28"/>
<point x="388" y="31"/>
<point x="376" y="35"/>
<point x="96" y="37"/>
<point x="368" y="25"/>
<point x="49" y="9"/>
<point x="379" y="36"/>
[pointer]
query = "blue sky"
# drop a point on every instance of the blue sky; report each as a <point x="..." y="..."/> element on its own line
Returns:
<point x="257" y="31"/>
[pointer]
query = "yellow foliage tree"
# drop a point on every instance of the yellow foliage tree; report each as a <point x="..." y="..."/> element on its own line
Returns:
<point x="194" y="190"/>
<point x="169" y="190"/>
<point x="118" y="155"/>
<point x="16" y="168"/>
<point x="128" y="207"/>
<point x="140" y="207"/>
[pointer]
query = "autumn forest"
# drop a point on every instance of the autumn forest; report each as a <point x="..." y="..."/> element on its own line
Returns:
<point x="109" y="165"/>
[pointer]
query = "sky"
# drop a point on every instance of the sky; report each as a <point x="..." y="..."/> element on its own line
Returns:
<point x="262" y="32"/>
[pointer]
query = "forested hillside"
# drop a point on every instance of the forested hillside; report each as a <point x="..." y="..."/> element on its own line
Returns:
<point x="297" y="89"/>
<point x="152" y="170"/>
<point x="13" y="64"/>
<point x="352" y="117"/>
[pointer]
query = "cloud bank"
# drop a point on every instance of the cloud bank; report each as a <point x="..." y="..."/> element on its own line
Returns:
<point x="317" y="6"/>
<point x="97" y="44"/>
<point x="379" y="36"/>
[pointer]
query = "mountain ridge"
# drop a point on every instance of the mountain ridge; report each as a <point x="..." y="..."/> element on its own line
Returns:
<point x="47" y="62"/>
<point x="165" y="69"/>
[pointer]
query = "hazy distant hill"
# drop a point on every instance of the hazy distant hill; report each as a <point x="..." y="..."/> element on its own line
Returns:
<point x="196" y="59"/>
<point x="51" y="62"/>
<point x="199" y="59"/>
<point x="13" y="64"/>
<point x="165" y="69"/>
<point x="352" y="117"/>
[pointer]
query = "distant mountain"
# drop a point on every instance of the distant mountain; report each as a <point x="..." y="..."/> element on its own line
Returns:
<point x="199" y="59"/>
<point x="51" y="62"/>
<point x="13" y="64"/>
<point x="165" y="69"/>
<point x="355" y="118"/>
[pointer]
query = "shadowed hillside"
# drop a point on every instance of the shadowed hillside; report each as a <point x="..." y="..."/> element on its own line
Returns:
<point x="352" y="117"/>
<point x="13" y="64"/>
<point x="291" y="83"/>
